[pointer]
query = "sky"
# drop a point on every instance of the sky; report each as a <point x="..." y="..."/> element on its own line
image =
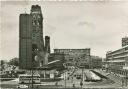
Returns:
<point x="96" y="25"/>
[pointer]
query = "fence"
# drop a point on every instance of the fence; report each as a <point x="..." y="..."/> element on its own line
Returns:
<point x="80" y="88"/>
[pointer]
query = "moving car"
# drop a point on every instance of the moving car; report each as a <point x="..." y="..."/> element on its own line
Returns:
<point x="22" y="86"/>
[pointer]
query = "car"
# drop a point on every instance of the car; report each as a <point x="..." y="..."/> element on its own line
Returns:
<point x="78" y="77"/>
<point x="22" y="86"/>
<point x="68" y="73"/>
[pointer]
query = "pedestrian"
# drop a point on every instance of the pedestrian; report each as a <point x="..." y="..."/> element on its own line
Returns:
<point x="37" y="87"/>
<point x="73" y="85"/>
<point x="81" y="84"/>
<point x="56" y="83"/>
<point x="72" y="78"/>
<point x="123" y="82"/>
<point x="68" y="78"/>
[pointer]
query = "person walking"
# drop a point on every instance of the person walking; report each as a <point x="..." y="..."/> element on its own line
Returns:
<point x="56" y="83"/>
<point x="73" y="85"/>
<point x="123" y="82"/>
<point x="81" y="84"/>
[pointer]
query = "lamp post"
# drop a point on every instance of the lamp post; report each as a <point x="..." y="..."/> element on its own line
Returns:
<point x="126" y="75"/>
<point x="65" y="79"/>
<point x="32" y="67"/>
<point x="32" y="77"/>
<point x="126" y="78"/>
<point x="81" y="83"/>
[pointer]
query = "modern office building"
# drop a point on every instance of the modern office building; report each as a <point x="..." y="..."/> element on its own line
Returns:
<point x="119" y="56"/>
<point x="73" y="51"/>
<point x="75" y="57"/>
<point x="124" y="41"/>
<point x="25" y="41"/>
<point x="117" y="61"/>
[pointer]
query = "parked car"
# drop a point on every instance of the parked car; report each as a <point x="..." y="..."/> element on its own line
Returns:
<point x="78" y="76"/>
<point x="22" y="86"/>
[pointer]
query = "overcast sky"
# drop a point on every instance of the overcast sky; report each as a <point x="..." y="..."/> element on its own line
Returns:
<point x="96" y="25"/>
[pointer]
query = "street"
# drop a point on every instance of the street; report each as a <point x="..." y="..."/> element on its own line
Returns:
<point x="69" y="81"/>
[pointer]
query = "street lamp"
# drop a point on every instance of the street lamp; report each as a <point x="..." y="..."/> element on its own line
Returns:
<point x="81" y="83"/>
<point x="126" y="77"/>
<point x="65" y="79"/>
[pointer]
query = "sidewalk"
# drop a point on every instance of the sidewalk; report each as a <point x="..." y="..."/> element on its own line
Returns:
<point x="111" y="82"/>
<point x="117" y="80"/>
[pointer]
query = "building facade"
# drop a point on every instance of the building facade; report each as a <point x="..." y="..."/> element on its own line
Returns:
<point x="32" y="51"/>
<point x="47" y="44"/>
<point x="124" y="41"/>
<point x="25" y="41"/>
<point x="75" y="57"/>
<point x="96" y="62"/>
<point x="117" y="61"/>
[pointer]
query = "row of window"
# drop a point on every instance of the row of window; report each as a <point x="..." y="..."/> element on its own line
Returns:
<point x="28" y="79"/>
<point x="117" y="52"/>
<point x="66" y="51"/>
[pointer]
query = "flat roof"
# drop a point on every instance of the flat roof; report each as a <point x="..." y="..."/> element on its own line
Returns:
<point x="116" y="61"/>
<point x="117" y="49"/>
<point x="71" y="49"/>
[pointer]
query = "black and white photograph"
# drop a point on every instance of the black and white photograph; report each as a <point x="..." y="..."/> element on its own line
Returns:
<point x="63" y="44"/>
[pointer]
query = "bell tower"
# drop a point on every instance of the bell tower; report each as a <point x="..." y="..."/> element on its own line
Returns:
<point x="37" y="27"/>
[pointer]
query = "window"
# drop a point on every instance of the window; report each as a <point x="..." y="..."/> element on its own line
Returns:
<point x="126" y="48"/>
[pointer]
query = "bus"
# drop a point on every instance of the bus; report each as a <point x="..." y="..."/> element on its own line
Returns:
<point x="26" y="79"/>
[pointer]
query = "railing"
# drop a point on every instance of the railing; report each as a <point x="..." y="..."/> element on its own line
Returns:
<point x="80" y="88"/>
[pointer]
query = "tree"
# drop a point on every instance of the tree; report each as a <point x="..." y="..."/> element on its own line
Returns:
<point x="2" y="62"/>
<point x="14" y="61"/>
